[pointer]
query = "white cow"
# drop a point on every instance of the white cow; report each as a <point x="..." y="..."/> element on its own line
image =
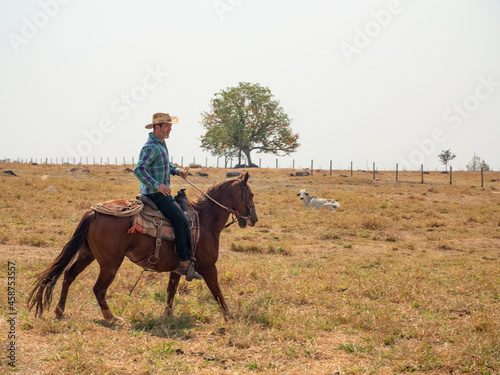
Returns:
<point x="317" y="203"/>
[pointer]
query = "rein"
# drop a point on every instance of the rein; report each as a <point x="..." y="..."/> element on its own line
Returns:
<point x="230" y="210"/>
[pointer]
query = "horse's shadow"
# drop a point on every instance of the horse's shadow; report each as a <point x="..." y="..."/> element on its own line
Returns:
<point x="165" y="327"/>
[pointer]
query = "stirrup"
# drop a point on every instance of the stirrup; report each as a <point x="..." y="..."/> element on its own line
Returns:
<point x="191" y="273"/>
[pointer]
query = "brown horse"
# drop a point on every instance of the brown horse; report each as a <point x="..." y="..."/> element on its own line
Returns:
<point x="105" y="239"/>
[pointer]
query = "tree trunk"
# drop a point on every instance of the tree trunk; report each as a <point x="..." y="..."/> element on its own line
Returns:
<point x="246" y="151"/>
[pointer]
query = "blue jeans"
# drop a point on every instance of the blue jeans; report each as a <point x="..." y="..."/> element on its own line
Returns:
<point x="169" y="207"/>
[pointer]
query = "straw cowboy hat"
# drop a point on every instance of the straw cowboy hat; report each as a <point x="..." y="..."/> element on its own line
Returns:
<point x="160" y="118"/>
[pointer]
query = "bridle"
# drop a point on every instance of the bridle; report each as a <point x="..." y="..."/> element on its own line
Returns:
<point x="234" y="213"/>
<point x="250" y="207"/>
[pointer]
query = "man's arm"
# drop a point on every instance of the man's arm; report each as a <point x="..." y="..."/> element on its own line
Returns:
<point x="174" y="170"/>
<point x="146" y="157"/>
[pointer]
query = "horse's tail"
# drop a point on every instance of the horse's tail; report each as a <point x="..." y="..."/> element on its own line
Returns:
<point x="40" y="295"/>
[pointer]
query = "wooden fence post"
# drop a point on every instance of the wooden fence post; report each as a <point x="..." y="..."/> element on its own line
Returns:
<point x="330" y="167"/>
<point x="422" y="172"/>
<point x="482" y="180"/>
<point x="451" y="172"/>
<point x="311" y="167"/>
<point x="351" y="168"/>
<point x="397" y="166"/>
<point x="374" y="170"/>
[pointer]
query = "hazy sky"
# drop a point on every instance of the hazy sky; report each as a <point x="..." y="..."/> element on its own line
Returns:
<point x="363" y="81"/>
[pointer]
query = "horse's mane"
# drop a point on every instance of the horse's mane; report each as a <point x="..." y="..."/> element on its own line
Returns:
<point x="203" y="201"/>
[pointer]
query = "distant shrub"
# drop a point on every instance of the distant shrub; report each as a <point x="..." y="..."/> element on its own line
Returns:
<point x="246" y="248"/>
<point x="257" y="249"/>
<point x="329" y="236"/>
<point x="32" y="240"/>
<point x="372" y="222"/>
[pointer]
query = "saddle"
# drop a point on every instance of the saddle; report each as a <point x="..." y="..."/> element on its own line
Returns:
<point x="148" y="219"/>
<point x="151" y="219"/>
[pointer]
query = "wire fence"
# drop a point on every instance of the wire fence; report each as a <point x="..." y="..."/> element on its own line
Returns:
<point x="480" y="176"/>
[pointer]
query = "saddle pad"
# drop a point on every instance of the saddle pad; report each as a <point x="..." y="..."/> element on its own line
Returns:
<point x="119" y="207"/>
<point x="145" y="224"/>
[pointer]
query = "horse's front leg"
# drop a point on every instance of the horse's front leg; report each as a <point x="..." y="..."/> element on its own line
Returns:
<point x="212" y="281"/>
<point x="173" y="283"/>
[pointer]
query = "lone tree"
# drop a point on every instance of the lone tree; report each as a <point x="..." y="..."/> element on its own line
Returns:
<point x="446" y="157"/>
<point x="247" y="118"/>
<point x="476" y="164"/>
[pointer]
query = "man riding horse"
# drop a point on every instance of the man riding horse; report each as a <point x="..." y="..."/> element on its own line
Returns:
<point x="153" y="171"/>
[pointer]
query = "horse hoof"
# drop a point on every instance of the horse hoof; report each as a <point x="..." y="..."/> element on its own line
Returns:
<point x="59" y="312"/>
<point x="116" y="320"/>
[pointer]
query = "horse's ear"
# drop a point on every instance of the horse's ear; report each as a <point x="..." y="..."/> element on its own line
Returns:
<point x="244" y="177"/>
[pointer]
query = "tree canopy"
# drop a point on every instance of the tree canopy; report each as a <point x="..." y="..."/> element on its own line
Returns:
<point x="476" y="164"/>
<point x="446" y="156"/>
<point x="247" y="118"/>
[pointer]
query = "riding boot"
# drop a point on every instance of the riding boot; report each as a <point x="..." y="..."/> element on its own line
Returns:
<point x="186" y="268"/>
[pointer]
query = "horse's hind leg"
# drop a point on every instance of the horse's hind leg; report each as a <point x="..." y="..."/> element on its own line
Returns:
<point x="85" y="257"/>
<point x="106" y="277"/>
<point x="173" y="283"/>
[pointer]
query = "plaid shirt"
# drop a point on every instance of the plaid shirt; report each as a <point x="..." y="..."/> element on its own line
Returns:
<point x="153" y="168"/>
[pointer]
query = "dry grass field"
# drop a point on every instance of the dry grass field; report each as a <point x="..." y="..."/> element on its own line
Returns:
<point x="404" y="278"/>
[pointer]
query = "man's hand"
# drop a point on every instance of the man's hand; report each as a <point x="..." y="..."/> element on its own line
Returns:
<point x="184" y="173"/>
<point x="164" y="189"/>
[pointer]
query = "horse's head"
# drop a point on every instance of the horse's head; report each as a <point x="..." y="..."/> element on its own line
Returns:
<point x="244" y="202"/>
